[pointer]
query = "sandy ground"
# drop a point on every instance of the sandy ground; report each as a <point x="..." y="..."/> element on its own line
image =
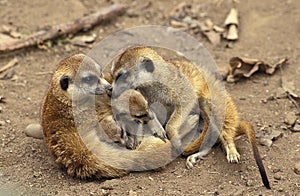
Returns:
<point x="269" y="30"/>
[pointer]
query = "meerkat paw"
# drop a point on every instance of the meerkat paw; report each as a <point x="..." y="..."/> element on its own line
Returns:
<point x="233" y="156"/>
<point x="192" y="159"/>
<point x="161" y="134"/>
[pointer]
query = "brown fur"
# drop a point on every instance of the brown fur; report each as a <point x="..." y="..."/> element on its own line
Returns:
<point x="87" y="156"/>
<point x="232" y="125"/>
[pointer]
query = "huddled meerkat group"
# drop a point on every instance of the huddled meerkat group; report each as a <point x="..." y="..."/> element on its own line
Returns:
<point x="122" y="97"/>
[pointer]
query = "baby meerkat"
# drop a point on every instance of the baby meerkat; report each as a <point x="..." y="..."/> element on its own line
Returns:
<point x="138" y="63"/>
<point x="76" y="85"/>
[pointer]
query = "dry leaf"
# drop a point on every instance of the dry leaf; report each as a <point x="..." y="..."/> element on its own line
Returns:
<point x="5" y="39"/>
<point x="245" y="67"/>
<point x="231" y="23"/>
<point x="232" y="33"/>
<point x="178" y="24"/>
<point x="213" y="37"/>
<point x="83" y="40"/>
<point x="232" y="18"/>
<point x="11" y="31"/>
<point x="207" y="28"/>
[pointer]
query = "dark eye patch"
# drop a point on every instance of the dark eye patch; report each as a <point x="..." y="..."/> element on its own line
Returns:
<point x="141" y="116"/>
<point x="119" y="75"/>
<point x="91" y="79"/>
<point x="64" y="82"/>
<point x="148" y="65"/>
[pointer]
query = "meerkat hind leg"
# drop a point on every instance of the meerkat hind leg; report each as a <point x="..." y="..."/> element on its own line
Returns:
<point x="209" y="140"/>
<point x="227" y="139"/>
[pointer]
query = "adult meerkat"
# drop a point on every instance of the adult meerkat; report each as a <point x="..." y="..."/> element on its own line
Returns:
<point x="146" y="59"/>
<point x="86" y="155"/>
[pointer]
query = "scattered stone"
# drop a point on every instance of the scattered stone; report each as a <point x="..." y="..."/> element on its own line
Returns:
<point x="239" y="192"/>
<point x="83" y="40"/>
<point x="35" y="131"/>
<point x="178" y="24"/>
<point x="249" y="183"/>
<point x="297" y="168"/>
<point x="296" y="128"/>
<point x="132" y="193"/>
<point x="265" y="142"/>
<point x="290" y="118"/>
<point x="2" y="122"/>
<point x="275" y="135"/>
<point x="277" y="176"/>
<point x="283" y="127"/>
<point x="280" y="93"/>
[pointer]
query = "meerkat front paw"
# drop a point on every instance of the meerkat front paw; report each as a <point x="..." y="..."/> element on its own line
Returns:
<point x="161" y="134"/>
<point x="233" y="156"/>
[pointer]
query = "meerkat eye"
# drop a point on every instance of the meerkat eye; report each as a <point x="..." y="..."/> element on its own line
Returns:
<point x="91" y="79"/>
<point x="64" y="82"/>
<point x="148" y="65"/>
<point x="119" y="75"/>
<point x="124" y="75"/>
<point x="141" y="116"/>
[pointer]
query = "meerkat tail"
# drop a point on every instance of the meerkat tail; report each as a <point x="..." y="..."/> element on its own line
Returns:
<point x="247" y="128"/>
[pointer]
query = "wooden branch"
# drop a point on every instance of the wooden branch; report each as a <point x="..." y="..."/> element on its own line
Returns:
<point x="84" y="23"/>
<point x="9" y="65"/>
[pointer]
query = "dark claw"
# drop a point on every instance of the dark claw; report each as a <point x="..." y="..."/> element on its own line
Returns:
<point x="163" y="138"/>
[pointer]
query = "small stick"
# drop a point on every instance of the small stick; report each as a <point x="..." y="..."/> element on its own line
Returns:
<point x="10" y="64"/>
<point x="84" y="23"/>
<point x="293" y="101"/>
<point x="43" y="73"/>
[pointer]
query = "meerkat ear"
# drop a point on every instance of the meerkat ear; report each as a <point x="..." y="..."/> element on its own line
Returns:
<point x="148" y="65"/>
<point x="64" y="82"/>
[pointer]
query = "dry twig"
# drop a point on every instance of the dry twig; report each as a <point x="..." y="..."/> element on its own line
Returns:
<point x="84" y="23"/>
<point x="10" y="64"/>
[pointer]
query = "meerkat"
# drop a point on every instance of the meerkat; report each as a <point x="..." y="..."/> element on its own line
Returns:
<point x="143" y="76"/>
<point x="134" y="109"/>
<point x="85" y="155"/>
<point x="144" y="59"/>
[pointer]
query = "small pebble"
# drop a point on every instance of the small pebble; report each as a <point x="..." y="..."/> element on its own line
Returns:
<point x="277" y="176"/>
<point x="132" y="193"/>
<point x="297" y="168"/>
<point x="296" y="128"/>
<point x="265" y="142"/>
<point x="239" y="192"/>
<point x="2" y="122"/>
<point x="290" y="118"/>
<point x="249" y="183"/>
<point x="280" y="190"/>
<point x="35" y="131"/>
<point x="274" y="135"/>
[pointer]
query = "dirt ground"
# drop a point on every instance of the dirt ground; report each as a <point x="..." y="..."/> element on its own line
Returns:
<point x="269" y="30"/>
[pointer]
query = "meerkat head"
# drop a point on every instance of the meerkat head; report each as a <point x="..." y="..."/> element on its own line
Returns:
<point x="136" y="66"/>
<point x="144" y="56"/>
<point x="78" y="78"/>
<point x="133" y="114"/>
<point x="139" y="108"/>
